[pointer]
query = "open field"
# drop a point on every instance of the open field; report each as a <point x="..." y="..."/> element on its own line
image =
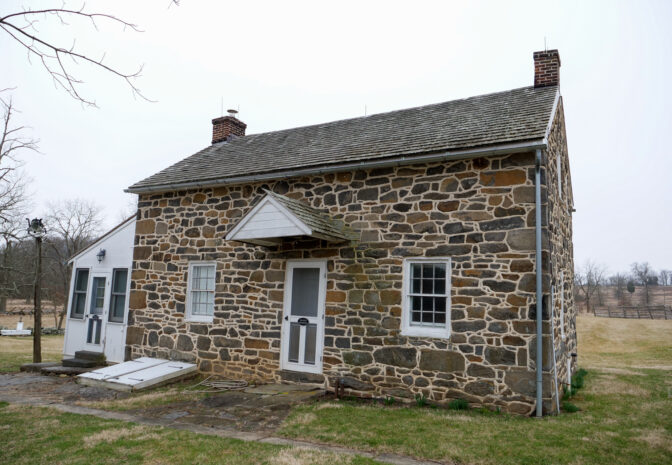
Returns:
<point x="17" y="350"/>
<point x="612" y="343"/>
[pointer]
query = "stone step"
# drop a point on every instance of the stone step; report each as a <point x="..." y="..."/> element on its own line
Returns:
<point x="97" y="357"/>
<point x="60" y="370"/>
<point x="36" y="367"/>
<point x="80" y="363"/>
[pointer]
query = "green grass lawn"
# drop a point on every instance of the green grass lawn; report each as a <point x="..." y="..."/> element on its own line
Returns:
<point x="624" y="419"/>
<point x="31" y="435"/>
<point x="17" y="350"/>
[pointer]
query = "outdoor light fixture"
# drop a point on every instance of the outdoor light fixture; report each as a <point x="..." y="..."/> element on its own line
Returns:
<point x="36" y="227"/>
<point x="37" y="230"/>
<point x="101" y="255"/>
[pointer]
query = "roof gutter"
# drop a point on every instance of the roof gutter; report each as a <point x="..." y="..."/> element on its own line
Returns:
<point x="368" y="164"/>
<point x="540" y="302"/>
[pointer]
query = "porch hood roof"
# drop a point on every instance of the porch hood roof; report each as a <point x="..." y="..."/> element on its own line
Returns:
<point x="276" y="216"/>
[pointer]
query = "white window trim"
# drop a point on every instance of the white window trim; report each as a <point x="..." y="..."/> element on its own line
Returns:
<point x="73" y="285"/>
<point x="424" y="331"/>
<point x="189" y="316"/>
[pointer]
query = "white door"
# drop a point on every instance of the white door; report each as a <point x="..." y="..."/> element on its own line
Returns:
<point x="303" y="319"/>
<point x="96" y="313"/>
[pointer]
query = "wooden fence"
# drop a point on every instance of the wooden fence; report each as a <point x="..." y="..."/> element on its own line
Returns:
<point x="652" y="312"/>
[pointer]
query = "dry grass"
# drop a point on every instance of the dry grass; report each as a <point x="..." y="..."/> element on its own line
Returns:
<point x="136" y="433"/>
<point x="302" y="456"/>
<point x="624" y="343"/>
<point x="17" y="350"/>
<point x="656" y="438"/>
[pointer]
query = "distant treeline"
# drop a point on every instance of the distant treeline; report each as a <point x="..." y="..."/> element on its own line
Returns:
<point x="641" y="285"/>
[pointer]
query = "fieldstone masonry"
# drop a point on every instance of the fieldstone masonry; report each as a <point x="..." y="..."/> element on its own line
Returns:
<point x="479" y="212"/>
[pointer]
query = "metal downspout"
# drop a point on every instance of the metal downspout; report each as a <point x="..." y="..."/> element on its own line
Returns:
<point x="537" y="206"/>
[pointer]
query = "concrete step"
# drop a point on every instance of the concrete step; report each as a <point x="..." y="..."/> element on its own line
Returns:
<point x="97" y="357"/>
<point x="36" y="367"/>
<point x="60" y="370"/>
<point x="79" y="363"/>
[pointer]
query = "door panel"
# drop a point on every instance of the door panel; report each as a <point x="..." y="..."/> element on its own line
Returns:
<point x="303" y="322"/>
<point x="95" y="317"/>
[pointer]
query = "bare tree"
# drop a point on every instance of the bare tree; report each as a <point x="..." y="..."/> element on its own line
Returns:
<point x="643" y="274"/>
<point x="73" y="225"/>
<point x="588" y="279"/>
<point x="619" y="281"/>
<point x="665" y="277"/>
<point x="59" y="60"/>
<point x="14" y="199"/>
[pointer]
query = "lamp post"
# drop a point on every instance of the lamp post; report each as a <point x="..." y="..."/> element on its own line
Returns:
<point x="37" y="230"/>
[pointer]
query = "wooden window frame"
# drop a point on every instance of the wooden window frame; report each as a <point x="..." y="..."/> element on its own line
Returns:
<point x="409" y="329"/>
<point x="76" y="294"/>
<point x="189" y="313"/>
<point x="115" y="295"/>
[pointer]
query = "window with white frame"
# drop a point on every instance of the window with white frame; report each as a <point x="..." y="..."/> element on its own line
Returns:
<point x="79" y="293"/>
<point x="118" y="295"/>
<point x="201" y="291"/>
<point x="426" y="305"/>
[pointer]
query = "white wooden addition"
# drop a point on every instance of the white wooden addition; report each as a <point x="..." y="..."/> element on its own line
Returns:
<point x="303" y="316"/>
<point x="97" y="313"/>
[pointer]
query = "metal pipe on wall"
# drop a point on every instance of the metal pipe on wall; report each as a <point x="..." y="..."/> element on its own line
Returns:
<point x="540" y="305"/>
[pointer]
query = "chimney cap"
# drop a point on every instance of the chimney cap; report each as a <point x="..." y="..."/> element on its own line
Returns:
<point x="232" y="113"/>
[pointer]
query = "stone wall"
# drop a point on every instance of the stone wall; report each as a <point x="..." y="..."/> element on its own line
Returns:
<point x="562" y="250"/>
<point x="479" y="212"/>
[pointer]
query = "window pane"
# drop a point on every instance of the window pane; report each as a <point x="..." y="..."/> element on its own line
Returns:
<point x="305" y="288"/>
<point x="428" y="286"/>
<point x="440" y="310"/>
<point x="427" y="270"/>
<point x="416" y="271"/>
<point x="416" y="286"/>
<point x="294" y="334"/>
<point x="311" y="341"/>
<point x="119" y="281"/>
<point x="82" y="280"/>
<point x="80" y="300"/>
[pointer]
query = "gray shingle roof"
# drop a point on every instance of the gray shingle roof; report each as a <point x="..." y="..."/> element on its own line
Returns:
<point x="504" y="117"/>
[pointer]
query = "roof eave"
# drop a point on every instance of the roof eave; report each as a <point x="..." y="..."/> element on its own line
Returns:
<point x="499" y="149"/>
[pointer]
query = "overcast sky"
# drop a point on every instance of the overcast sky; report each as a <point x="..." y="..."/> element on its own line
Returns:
<point x="286" y="64"/>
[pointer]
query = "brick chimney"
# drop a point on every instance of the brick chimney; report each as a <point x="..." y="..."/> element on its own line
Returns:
<point x="226" y="126"/>
<point x="546" y="68"/>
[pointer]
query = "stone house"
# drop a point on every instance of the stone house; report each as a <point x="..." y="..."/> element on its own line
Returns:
<point x="394" y="254"/>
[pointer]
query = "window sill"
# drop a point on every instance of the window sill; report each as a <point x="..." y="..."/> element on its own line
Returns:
<point x="440" y="333"/>
<point x="199" y="319"/>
